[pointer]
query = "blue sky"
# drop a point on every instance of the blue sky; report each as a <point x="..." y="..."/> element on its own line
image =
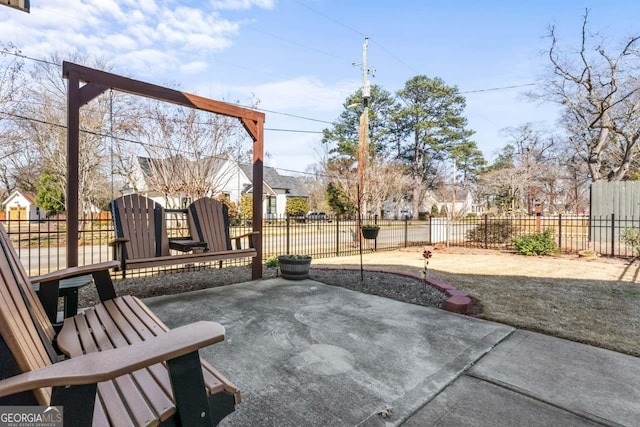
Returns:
<point x="296" y="56"/>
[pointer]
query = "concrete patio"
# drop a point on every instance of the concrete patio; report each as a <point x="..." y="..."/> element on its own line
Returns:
<point x="308" y="354"/>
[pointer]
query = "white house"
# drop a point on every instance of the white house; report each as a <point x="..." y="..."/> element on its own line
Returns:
<point x="22" y="206"/>
<point x="220" y="176"/>
<point x="464" y="202"/>
<point x="276" y="190"/>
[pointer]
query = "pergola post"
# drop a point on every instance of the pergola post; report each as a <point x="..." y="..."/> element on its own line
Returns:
<point x="73" y="160"/>
<point x="99" y="81"/>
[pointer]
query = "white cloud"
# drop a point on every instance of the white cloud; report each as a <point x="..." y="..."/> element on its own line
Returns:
<point x="120" y="41"/>
<point x="119" y="29"/>
<point x="110" y="7"/>
<point x="147" y="62"/>
<point x="242" y="4"/>
<point x="303" y="92"/>
<point x="194" y="67"/>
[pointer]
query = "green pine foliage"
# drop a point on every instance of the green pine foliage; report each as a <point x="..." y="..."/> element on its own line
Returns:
<point x="50" y="195"/>
<point x="338" y="200"/>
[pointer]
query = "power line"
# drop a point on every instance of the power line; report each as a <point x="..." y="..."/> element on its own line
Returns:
<point x="391" y="54"/>
<point x="499" y="88"/>
<point x="19" y="55"/>
<point x="350" y="28"/>
<point x="239" y="105"/>
<point x="219" y="157"/>
<point x="288" y="114"/>
<point x="295" y="43"/>
<point x="111" y="135"/>
<point x="330" y="18"/>
<point x="293" y="130"/>
<point x="103" y="135"/>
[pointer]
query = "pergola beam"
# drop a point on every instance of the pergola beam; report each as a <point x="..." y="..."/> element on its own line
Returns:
<point x="98" y="82"/>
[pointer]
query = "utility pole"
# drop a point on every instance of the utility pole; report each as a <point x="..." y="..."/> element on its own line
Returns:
<point x="363" y="145"/>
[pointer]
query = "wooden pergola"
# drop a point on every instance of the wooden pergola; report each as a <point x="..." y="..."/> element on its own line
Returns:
<point x="97" y="82"/>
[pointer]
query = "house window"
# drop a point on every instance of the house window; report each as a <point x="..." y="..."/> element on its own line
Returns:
<point x="271" y="205"/>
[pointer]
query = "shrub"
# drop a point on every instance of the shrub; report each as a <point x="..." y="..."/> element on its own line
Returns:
<point x="535" y="244"/>
<point x="297" y="206"/>
<point x="232" y="207"/>
<point x="496" y="231"/>
<point x="246" y="207"/>
<point x="631" y="236"/>
<point x="271" y="262"/>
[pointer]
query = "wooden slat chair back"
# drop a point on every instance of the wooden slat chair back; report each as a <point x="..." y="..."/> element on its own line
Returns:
<point x="26" y="329"/>
<point x="141" y="221"/>
<point x="209" y="222"/>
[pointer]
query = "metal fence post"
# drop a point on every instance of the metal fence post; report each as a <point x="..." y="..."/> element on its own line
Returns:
<point x="613" y="234"/>
<point x="406" y="231"/>
<point x="375" y="241"/>
<point x="486" y="231"/>
<point x="337" y="235"/>
<point x="560" y="232"/>
<point x="288" y="234"/>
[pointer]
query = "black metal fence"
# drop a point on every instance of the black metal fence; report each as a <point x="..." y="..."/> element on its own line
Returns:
<point x="42" y="244"/>
<point x="572" y="234"/>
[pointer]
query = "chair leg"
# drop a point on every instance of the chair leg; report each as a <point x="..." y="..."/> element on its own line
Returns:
<point x="222" y="404"/>
<point x="189" y="390"/>
<point x="77" y="401"/>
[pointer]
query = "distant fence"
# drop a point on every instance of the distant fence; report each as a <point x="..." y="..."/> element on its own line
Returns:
<point x="571" y="233"/>
<point x="42" y="244"/>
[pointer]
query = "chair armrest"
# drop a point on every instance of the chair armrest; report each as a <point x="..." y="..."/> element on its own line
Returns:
<point x="74" y="272"/>
<point x="93" y="368"/>
<point x="118" y="241"/>
<point x="251" y="234"/>
<point x="252" y="239"/>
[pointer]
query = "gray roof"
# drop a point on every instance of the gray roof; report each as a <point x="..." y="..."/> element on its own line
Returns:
<point x="212" y="164"/>
<point x="273" y="179"/>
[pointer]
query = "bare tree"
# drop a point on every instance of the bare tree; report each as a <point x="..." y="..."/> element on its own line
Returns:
<point x="11" y="147"/>
<point x="387" y="179"/>
<point x="184" y="151"/>
<point x="600" y="94"/>
<point x="527" y="171"/>
<point x="38" y="136"/>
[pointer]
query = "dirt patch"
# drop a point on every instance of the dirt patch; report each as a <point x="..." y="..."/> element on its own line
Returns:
<point x="401" y="288"/>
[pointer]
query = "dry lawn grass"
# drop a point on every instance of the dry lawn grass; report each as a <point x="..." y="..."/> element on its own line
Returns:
<point x="591" y="301"/>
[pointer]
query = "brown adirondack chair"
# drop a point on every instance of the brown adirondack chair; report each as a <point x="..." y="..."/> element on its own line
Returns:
<point x="142" y="240"/>
<point x="119" y="364"/>
<point x="209" y="222"/>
